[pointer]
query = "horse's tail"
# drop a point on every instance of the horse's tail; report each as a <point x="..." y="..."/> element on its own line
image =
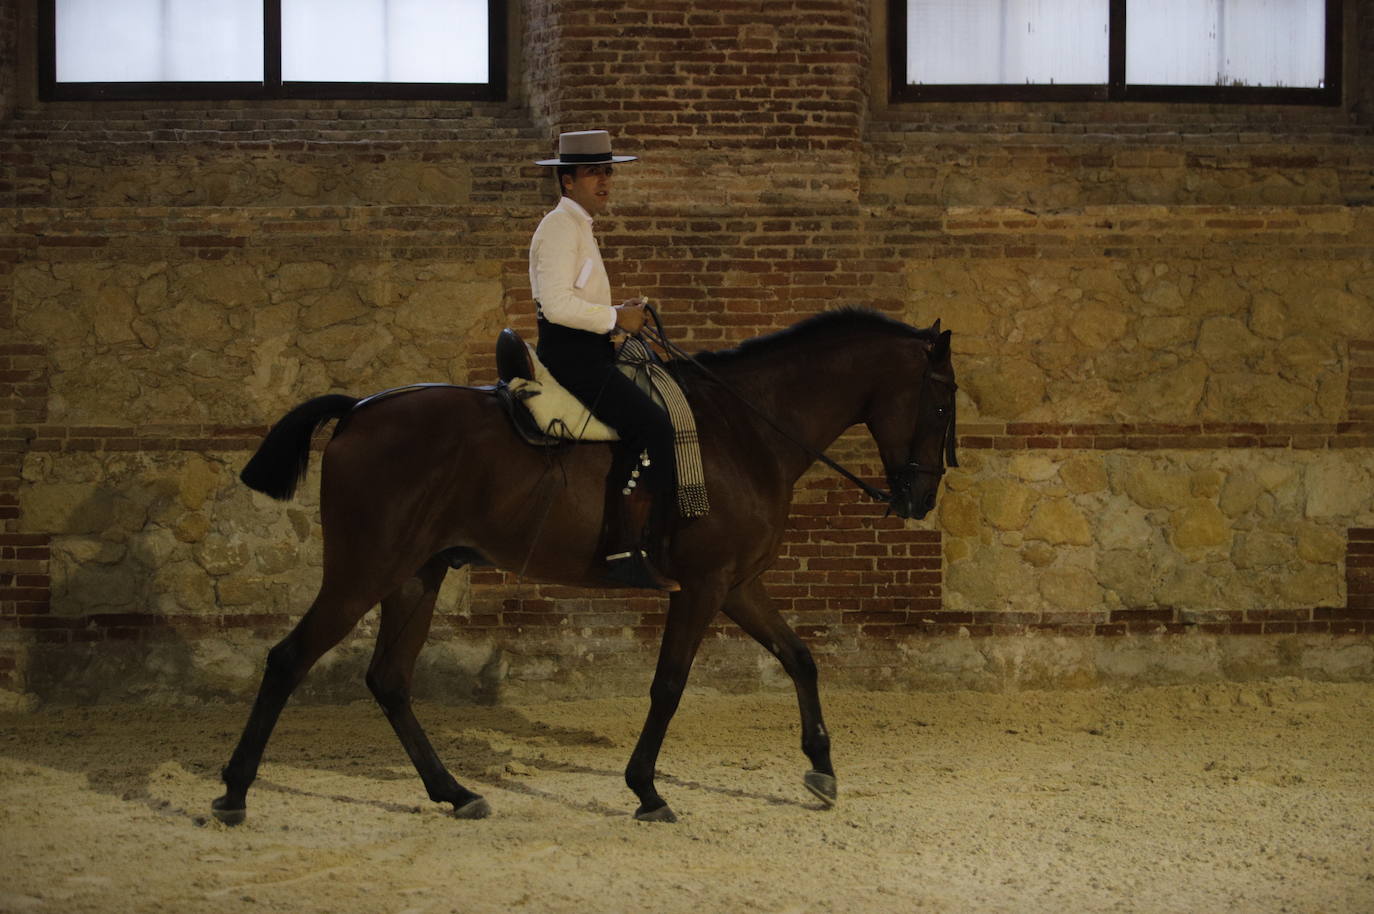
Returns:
<point x="281" y="461"/>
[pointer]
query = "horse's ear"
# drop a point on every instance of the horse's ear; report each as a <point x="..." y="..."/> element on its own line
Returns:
<point x="940" y="351"/>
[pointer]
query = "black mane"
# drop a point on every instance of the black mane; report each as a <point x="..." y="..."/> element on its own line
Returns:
<point x="826" y="324"/>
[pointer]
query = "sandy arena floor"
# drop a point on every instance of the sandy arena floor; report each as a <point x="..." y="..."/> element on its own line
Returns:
<point x="1211" y="798"/>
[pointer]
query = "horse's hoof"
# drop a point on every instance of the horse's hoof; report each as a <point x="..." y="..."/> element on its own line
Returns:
<point x="822" y="787"/>
<point x="477" y="808"/>
<point x="228" y="816"/>
<point x="661" y="814"/>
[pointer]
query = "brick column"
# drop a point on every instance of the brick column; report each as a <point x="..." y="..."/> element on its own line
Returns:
<point x="1359" y="574"/>
<point x="1361" y="402"/>
<point x="9" y="57"/>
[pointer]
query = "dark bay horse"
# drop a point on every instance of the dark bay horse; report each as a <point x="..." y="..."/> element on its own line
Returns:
<point x="410" y="482"/>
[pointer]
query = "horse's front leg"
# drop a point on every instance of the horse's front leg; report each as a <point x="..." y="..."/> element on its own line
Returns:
<point x="689" y="612"/>
<point x="752" y="609"/>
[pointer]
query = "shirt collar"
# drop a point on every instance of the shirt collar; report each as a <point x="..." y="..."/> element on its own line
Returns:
<point x="572" y="207"/>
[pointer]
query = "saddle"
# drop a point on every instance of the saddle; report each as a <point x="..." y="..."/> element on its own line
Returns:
<point x="542" y="410"/>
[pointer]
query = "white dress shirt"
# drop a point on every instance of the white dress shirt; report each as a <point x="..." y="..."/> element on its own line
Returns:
<point x="567" y="277"/>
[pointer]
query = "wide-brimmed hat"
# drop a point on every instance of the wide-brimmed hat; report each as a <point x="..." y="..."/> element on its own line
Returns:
<point x="585" y="147"/>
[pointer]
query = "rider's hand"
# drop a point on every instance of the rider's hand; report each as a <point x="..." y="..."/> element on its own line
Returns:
<point x="630" y="316"/>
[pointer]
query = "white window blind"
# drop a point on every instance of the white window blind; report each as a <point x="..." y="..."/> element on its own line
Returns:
<point x="1226" y="43"/>
<point x="1007" y="41"/>
<point x="1261" y="43"/>
<point x="384" y="41"/>
<point x="159" y="40"/>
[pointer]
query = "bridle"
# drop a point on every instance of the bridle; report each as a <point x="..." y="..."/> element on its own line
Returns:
<point x="904" y="480"/>
<point x="901" y="481"/>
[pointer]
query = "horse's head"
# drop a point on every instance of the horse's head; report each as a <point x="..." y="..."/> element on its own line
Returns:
<point x="913" y="424"/>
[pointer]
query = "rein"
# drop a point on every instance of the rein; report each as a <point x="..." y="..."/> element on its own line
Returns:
<point x="677" y="352"/>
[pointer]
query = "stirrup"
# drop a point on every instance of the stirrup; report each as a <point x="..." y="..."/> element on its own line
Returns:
<point x="632" y="569"/>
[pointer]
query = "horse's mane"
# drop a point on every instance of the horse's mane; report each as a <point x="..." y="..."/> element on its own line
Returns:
<point x="827" y="324"/>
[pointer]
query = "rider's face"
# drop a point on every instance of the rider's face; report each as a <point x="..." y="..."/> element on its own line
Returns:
<point x="590" y="188"/>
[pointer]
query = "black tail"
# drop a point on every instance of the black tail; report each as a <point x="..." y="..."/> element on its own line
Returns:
<point x="280" y="463"/>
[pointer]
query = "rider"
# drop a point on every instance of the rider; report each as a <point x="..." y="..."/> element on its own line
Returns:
<point x="576" y="319"/>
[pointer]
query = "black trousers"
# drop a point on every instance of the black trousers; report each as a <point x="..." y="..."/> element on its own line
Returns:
<point x="584" y="363"/>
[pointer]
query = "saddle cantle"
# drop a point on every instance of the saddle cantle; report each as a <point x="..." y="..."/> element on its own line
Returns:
<point x="513" y="358"/>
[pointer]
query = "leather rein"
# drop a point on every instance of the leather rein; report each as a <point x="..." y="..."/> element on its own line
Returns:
<point x="899" y="485"/>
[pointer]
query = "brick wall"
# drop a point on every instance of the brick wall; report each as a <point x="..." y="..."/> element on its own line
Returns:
<point x="9" y="63"/>
<point x="1162" y="321"/>
<point x="1359" y="575"/>
<point x="1362" y="96"/>
<point x="777" y="88"/>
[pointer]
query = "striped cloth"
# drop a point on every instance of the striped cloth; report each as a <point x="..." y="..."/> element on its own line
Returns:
<point x="639" y="364"/>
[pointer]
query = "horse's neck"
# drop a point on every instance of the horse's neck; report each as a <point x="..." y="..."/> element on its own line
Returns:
<point x="814" y="393"/>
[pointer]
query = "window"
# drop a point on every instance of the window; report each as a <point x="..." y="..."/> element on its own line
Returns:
<point x="1258" y="51"/>
<point x="126" y="49"/>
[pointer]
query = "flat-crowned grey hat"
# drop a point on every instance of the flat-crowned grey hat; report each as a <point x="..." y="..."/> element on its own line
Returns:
<point x="585" y="147"/>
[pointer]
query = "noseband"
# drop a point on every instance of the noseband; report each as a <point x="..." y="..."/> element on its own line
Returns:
<point x="904" y="480"/>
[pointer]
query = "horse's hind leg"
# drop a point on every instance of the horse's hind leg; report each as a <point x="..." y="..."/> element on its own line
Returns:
<point x="752" y="609"/>
<point x="406" y="616"/>
<point x="324" y="625"/>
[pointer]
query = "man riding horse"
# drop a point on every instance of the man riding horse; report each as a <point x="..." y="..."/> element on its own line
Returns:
<point x="422" y="480"/>
<point x="576" y="322"/>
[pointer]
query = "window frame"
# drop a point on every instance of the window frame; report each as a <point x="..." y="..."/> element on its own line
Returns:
<point x="272" y="86"/>
<point x="1115" y="89"/>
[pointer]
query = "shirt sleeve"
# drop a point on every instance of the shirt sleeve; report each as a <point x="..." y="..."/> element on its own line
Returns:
<point x="555" y="264"/>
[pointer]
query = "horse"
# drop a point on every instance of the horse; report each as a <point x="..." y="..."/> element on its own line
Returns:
<point x="415" y="484"/>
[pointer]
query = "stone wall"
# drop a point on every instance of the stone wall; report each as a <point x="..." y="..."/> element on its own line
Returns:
<point x="1163" y="324"/>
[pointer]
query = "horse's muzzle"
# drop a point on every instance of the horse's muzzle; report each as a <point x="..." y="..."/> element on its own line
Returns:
<point x="909" y="505"/>
<point x="913" y="491"/>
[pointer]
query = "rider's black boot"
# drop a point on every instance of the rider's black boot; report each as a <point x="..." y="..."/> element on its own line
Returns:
<point x="626" y="561"/>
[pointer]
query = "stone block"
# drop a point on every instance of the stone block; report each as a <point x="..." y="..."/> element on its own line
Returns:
<point x="1083" y="474"/>
<point x="1199" y="524"/>
<point x="1070" y="588"/>
<point x="1121" y="524"/>
<point x="1336" y="489"/>
<point x="1263" y="549"/>
<point x="339" y="306"/>
<point x="1312" y="585"/>
<point x="1006" y="388"/>
<point x="959" y="514"/>
<point x="197" y="481"/>
<point x="1059" y="521"/>
<point x="1131" y="574"/>
<point x="1005" y="503"/>
<point x="1151" y="487"/>
<point x="68" y="508"/>
<point x="1320" y="545"/>
<point x="301" y="276"/>
<point x="220" y="555"/>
